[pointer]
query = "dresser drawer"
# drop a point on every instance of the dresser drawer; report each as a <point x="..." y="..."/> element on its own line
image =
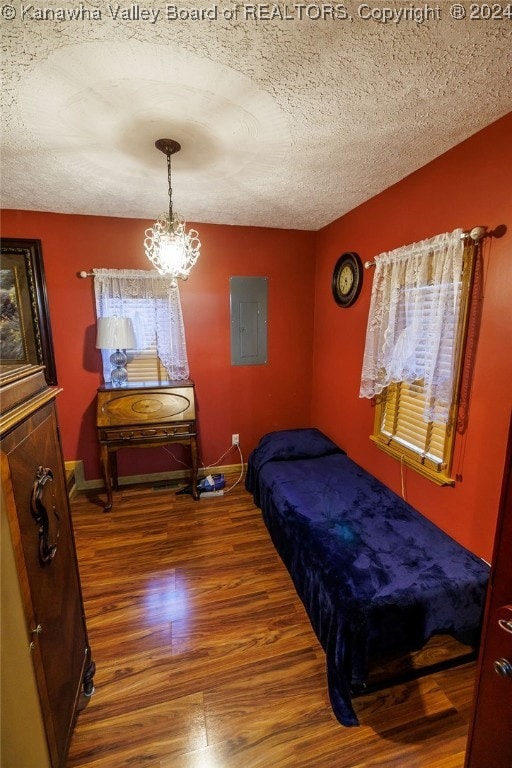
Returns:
<point x="149" y="432"/>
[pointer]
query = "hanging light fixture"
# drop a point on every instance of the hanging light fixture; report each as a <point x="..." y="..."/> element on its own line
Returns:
<point x="171" y="249"/>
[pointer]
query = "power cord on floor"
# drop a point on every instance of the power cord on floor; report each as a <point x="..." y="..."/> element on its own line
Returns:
<point x="215" y="463"/>
<point x="242" y="465"/>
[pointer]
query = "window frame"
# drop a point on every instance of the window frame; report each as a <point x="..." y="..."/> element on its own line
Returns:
<point x="394" y="446"/>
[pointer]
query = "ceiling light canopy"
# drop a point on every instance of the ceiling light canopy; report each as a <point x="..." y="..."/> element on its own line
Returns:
<point x="168" y="246"/>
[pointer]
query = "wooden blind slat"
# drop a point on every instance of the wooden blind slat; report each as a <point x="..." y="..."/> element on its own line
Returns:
<point x="403" y="420"/>
<point x="145" y="365"/>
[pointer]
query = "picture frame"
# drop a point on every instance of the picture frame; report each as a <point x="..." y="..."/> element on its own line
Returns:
<point x="25" y="330"/>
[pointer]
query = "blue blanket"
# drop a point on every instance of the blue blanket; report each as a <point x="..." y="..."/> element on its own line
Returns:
<point x="375" y="576"/>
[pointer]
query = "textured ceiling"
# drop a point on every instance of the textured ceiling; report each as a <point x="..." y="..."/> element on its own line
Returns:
<point x="288" y="115"/>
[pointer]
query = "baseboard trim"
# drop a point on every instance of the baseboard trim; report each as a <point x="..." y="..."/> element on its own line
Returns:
<point x="78" y="483"/>
<point x="74" y="476"/>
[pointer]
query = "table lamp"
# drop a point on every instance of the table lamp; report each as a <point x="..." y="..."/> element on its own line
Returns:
<point x="116" y="333"/>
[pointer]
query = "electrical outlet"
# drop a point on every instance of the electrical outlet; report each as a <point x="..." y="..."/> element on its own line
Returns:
<point x="235" y="439"/>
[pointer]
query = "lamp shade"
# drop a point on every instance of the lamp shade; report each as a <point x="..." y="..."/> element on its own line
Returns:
<point x="115" y="333"/>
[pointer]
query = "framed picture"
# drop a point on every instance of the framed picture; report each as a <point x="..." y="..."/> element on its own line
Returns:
<point x="25" y="332"/>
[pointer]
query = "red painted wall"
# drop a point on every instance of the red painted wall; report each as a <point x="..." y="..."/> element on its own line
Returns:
<point x="315" y="348"/>
<point x="248" y="400"/>
<point x="468" y="186"/>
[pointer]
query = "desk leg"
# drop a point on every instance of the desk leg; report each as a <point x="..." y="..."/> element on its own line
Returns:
<point x="107" y="476"/>
<point x="113" y="469"/>
<point x="193" y="456"/>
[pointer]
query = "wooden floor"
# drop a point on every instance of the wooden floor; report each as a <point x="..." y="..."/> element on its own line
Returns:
<point x="206" y="659"/>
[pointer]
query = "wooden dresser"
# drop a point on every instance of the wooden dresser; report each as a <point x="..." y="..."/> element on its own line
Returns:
<point x="145" y="416"/>
<point x="46" y="667"/>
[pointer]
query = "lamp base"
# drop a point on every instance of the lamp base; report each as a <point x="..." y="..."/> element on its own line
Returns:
<point x="119" y="374"/>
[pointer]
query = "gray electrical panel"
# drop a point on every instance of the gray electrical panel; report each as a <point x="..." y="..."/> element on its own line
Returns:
<point x="248" y="301"/>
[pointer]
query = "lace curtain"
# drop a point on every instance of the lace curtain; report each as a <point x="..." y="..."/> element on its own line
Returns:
<point x="413" y="320"/>
<point x="154" y="306"/>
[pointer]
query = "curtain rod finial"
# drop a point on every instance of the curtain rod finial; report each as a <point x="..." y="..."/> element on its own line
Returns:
<point x="477" y="233"/>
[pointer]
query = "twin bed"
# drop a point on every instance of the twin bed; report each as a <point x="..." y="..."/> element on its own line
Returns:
<point x="374" y="575"/>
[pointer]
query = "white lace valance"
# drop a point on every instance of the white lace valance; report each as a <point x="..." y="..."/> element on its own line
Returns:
<point x="413" y="320"/>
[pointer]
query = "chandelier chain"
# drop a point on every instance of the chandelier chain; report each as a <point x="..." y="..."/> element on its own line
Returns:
<point x="170" y="186"/>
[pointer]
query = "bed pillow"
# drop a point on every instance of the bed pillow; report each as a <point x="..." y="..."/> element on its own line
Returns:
<point x="286" y="444"/>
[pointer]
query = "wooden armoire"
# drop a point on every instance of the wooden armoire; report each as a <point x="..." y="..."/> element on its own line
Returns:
<point x="46" y="666"/>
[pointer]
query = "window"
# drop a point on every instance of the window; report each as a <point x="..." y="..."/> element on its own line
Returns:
<point x="417" y="373"/>
<point x="401" y="431"/>
<point x="153" y="304"/>
<point x="144" y="365"/>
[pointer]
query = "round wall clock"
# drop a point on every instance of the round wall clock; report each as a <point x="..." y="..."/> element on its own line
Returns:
<point x="347" y="279"/>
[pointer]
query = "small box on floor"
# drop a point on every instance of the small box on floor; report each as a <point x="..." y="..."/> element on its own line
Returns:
<point x="211" y="483"/>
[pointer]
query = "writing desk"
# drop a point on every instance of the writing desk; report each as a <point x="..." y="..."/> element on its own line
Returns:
<point x="144" y="415"/>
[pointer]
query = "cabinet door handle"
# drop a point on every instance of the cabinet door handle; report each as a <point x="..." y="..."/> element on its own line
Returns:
<point x="47" y="550"/>
<point x="506" y="624"/>
<point x="503" y="667"/>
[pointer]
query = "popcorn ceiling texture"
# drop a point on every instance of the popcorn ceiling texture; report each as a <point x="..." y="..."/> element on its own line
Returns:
<point x="284" y="123"/>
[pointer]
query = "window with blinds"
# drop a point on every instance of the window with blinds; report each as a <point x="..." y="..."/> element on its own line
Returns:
<point x="400" y="425"/>
<point x="145" y="365"/>
<point x="403" y="427"/>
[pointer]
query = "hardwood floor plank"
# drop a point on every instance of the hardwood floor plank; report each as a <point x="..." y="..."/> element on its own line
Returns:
<point x="146" y="735"/>
<point x="206" y="658"/>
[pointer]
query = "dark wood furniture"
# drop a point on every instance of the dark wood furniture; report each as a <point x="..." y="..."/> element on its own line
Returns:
<point x="46" y="660"/>
<point x="489" y="740"/>
<point x="145" y="416"/>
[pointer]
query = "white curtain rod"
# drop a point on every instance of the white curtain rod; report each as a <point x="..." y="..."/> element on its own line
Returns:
<point x="476" y="234"/>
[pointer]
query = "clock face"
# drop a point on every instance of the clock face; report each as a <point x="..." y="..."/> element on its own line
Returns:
<point x="347" y="279"/>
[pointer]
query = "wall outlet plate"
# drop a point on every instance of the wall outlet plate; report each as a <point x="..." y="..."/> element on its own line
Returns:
<point x="235" y="439"/>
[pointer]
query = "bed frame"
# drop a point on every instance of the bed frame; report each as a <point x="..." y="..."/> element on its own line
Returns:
<point x="375" y="576"/>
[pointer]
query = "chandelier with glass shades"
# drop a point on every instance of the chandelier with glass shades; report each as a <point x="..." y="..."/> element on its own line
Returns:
<point x="171" y="249"/>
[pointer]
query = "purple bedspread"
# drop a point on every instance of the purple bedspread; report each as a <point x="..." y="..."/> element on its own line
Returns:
<point x="375" y="576"/>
